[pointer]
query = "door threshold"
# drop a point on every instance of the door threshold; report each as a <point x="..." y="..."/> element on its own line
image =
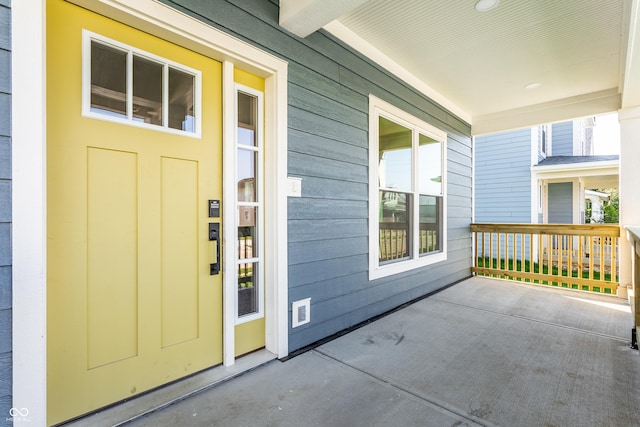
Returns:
<point x="155" y="400"/>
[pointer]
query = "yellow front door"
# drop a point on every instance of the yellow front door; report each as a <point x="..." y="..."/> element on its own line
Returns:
<point x="131" y="303"/>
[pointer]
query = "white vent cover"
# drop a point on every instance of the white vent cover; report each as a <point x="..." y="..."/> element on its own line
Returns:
<point x="300" y="312"/>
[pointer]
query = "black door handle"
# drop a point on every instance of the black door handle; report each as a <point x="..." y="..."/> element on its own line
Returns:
<point x="214" y="235"/>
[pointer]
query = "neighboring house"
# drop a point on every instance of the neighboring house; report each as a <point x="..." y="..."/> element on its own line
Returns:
<point x="543" y="174"/>
<point x="594" y="207"/>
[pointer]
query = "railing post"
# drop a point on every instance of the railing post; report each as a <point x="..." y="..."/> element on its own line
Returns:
<point x="633" y="236"/>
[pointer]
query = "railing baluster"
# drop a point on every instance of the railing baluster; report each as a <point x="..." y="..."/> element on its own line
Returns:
<point x="531" y="253"/>
<point x="614" y="267"/>
<point x="506" y="251"/>
<point x="499" y="252"/>
<point x="580" y="258"/>
<point x="484" y="249"/>
<point x="569" y="260"/>
<point x="550" y="256"/>
<point x="491" y="248"/>
<point x="514" y="252"/>
<point x="475" y="248"/>
<point x="602" y="263"/>
<point x="591" y="249"/>
<point x="523" y="261"/>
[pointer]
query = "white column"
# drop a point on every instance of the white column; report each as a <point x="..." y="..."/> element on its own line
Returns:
<point x="629" y="193"/>
<point x="29" y="210"/>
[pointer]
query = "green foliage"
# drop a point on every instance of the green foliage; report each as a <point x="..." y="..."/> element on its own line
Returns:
<point x="612" y="208"/>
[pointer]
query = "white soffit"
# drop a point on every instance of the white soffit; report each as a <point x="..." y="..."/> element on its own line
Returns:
<point x="482" y="61"/>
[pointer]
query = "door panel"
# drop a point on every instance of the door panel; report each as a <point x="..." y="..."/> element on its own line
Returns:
<point x="130" y="302"/>
<point x="112" y="276"/>
<point x="179" y="245"/>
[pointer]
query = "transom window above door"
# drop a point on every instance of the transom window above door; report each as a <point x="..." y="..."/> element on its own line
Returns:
<point x="127" y="85"/>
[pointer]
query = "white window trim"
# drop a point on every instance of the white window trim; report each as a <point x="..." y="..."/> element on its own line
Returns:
<point x="233" y="276"/>
<point x="378" y="107"/>
<point x="88" y="37"/>
<point x="29" y="249"/>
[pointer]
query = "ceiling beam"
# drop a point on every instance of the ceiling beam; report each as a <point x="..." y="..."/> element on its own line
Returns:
<point x="303" y="17"/>
<point x="591" y="104"/>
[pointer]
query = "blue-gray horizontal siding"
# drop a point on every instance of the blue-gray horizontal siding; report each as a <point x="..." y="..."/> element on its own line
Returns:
<point x="5" y="213"/>
<point x="328" y="227"/>
<point x="503" y="177"/>
<point x="562" y="139"/>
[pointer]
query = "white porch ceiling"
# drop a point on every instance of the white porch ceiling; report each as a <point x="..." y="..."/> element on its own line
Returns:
<point x="584" y="53"/>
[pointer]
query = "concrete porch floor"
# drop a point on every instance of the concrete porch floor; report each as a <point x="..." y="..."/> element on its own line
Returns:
<point x="482" y="352"/>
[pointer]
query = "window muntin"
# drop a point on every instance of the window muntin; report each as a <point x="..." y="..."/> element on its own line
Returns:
<point x="130" y="86"/>
<point x="408" y="208"/>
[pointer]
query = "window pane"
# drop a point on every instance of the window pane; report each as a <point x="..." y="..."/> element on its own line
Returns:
<point x="247" y="289"/>
<point x="430" y="158"/>
<point x="147" y="91"/>
<point x="181" y="103"/>
<point x="247" y="162"/>
<point x="247" y="242"/>
<point x="395" y="161"/>
<point x="246" y="136"/>
<point x="108" y="80"/>
<point x="247" y="114"/>
<point x="394" y="226"/>
<point x="430" y="235"/>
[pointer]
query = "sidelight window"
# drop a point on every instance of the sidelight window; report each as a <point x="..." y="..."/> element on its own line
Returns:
<point x="249" y="205"/>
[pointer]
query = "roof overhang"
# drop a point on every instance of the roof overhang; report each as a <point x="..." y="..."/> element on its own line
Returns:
<point x="602" y="174"/>
<point x="476" y="64"/>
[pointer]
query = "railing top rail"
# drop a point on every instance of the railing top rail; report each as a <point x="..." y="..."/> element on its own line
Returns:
<point x="609" y="230"/>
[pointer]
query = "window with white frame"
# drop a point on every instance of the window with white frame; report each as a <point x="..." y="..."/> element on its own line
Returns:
<point x="407" y="204"/>
<point x="249" y="205"/>
<point x="545" y="140"/>
<point x="130" y="86"/>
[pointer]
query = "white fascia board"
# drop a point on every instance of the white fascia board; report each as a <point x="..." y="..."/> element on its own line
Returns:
<point x="303" y="17"/>
<point x="600" y="194"/>
<point x="367" y="49"/>
<point x="554" y="173"/>
<point x="607" y="167"/>
<point x="590" y="104"/>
